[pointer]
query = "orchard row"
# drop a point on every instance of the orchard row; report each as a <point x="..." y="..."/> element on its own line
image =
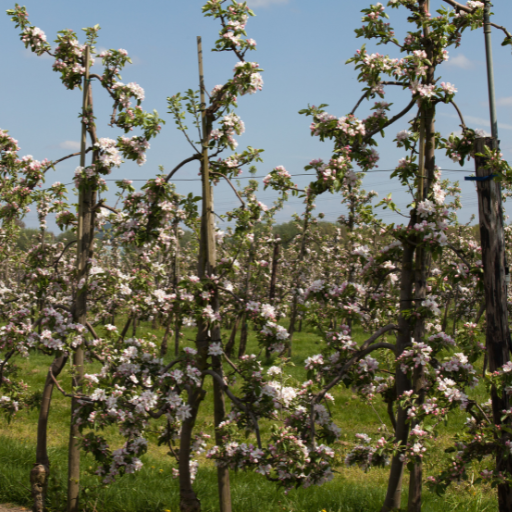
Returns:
<point x="415" y="289"/>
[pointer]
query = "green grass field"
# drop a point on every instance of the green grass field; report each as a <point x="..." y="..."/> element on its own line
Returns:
<point x="153" y="488"/>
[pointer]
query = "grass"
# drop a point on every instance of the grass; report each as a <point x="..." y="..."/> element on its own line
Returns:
<point x="153" y="488"/>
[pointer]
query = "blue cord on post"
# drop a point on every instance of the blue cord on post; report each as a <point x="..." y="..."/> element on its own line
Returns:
<point x="479" y="178"/>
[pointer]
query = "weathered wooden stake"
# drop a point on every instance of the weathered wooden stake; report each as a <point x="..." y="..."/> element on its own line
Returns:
<point x="80" y="304"/>
<point x="497" y="336"/>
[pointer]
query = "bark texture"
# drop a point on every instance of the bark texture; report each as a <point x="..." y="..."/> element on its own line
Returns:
<point x="402" y="383"/>
<point x="41" y="471"/>
<point x="497" y="335"/>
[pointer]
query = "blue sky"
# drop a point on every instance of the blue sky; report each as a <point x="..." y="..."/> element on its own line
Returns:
<point x="302" y="46"/>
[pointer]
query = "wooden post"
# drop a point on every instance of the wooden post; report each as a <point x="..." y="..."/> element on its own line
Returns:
<point x="497" y="336"/>
<point x="421" y="264"/>
<point x="205" y="336"/>
<point x="80" y="304"/>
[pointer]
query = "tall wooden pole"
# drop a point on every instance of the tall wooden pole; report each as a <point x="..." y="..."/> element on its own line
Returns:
<point x="80" y="305"/>
<point x="490" y="69"/>
<point x="492" y="96"/>
<point x="207" y="264"/>
<point x="426" y="168"/>
<point x="497" y="333"/>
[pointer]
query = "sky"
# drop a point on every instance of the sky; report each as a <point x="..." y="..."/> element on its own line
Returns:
<point x="302" y="47"/>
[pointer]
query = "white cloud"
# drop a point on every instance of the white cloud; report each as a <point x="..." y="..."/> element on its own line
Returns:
<point x="482" y="121"/>
<point x="70" y="144"/>
<point x="473" y="121"/>
<point x="504" y="102"/>
<point x="29" y="54"/>
<point x="460" y="61"/>
<point x="264" y="3"/>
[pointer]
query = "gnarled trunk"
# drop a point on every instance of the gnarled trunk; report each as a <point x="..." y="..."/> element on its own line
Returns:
<point x="41" y="471"/>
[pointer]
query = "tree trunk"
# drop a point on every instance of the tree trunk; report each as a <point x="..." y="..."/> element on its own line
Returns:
<point x="219" y="411"/>
<point x="427" y="166"/>
<point x="243" y="336"/>
<point x="273" y="278"/>
<point x="134" y="327"/>
<point x="176" y="278"/>
<point x="418" y="379"/>
<point x="85" y="247"/>
<point x="206" y="334"/>
<point x="302" y="252"/>
<point x="230" y="345"/>
<point x="445" y="317"/>
<point x="177" y="332"/>
<point x="402" y="383"/>
<point x="163" y="346"/>
<point x="41" y="470"/>
<point x="189" y="501"/>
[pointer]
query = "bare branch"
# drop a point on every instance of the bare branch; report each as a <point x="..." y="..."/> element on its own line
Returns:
<point x="403" y="84"/>
<point x="125" y="328"/>
<point x="365" y="349"/>
<point x="378" y="334"/>
<point x="4" y="362"/>
<point x="365" y="95"/>
<point x="51" y="164"/>
<point x="237" y="402"/>
<point x="463" y="124"/>
<point x="480" y="312"/>
<point x="59" y="387"/>
<point x="231" y="293"/>
<point x="349" y="363"/>
<point x="90" y="328"/>
<point x="391" y="121"/>
<point x="460" y="254"/>
<point x="94" y="75"/>
<point x="106" y="206"/>
<point x="170" y="365"/>
<point x="230" y="184"/>
<point x="458" y="6"/>
<point x="507" y="33"/>
<point x="231" y="364"/>
<point x="69" y="244"/>
<point x="180" y="165"/>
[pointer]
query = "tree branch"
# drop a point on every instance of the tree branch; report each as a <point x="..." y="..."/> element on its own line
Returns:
<point x="236" y="401"/>
<point x="458" y="6"/>
<point x="4" y="362"/>
<point x="365" y="349"/>
<point x="63" y="251"/>
<point x="101" y="204"/>
<point x="463" y="124"/>
<point x="507" y="33"/>
<point x="125" y="328"/>
<point x="460" y="254"/>
<point x="180" y="165"/>
<point x="59" y="387"/>
<point x="65" y="158"/>
<point x="365" y="95"/>
<point x="90" y="328"/>
<point x="230" y="184"/>
<point x="391" y="121"/>
<point x="378" y="334"/>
